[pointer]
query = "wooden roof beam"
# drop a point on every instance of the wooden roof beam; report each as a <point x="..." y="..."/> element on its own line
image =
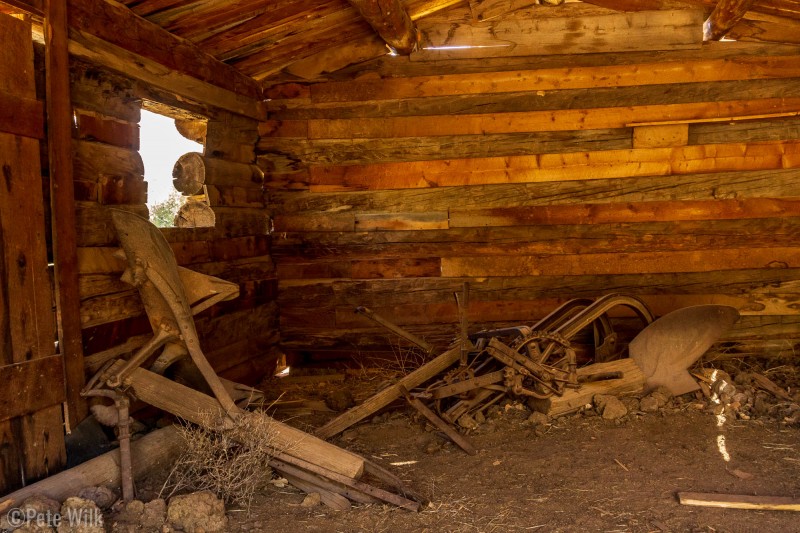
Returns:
<point x="725" y="16"/>
<point x="111" y="22"/>
<point x="391" y="21"/>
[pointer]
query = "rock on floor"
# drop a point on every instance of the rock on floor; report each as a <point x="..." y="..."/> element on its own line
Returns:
<point x="197" y="512"/>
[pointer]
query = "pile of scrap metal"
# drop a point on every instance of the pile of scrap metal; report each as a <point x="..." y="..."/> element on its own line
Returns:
<point x="171" y="296"/>
<point x="540" y="364"/>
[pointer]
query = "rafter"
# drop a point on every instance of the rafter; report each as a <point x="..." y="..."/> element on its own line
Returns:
<point x="724" y="17"/>
<point x="391" y="21"/>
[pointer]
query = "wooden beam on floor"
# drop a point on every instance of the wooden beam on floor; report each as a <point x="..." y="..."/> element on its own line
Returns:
<point x="740" y="501"/>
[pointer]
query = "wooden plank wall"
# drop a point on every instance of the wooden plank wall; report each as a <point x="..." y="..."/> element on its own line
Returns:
<point x="237" y="337"/>
<point x="31" y="373"/>
<point x="674" y="176"/>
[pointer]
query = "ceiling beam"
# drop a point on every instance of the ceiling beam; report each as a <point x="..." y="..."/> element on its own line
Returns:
<point x="391" y="21"/>
<point x="725" y="16"/>
<point x="31" y="7"/>
<point x="114" y="23"/>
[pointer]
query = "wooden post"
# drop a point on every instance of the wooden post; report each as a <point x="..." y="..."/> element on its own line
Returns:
<point x="59" y="120"/>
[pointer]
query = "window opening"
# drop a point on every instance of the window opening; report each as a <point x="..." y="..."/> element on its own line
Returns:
<point x="165" y="144"/>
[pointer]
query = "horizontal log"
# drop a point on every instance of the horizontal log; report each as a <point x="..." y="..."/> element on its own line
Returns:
<point x="31" y="386"/>
<point x="288" y="155"/>
<point x="92" y="126"/>
<point x="380" y="293"/>
<point x="560" y="167"/>
<point x="90" y="48"/>
<point x="94" y="226"/>
<point x="722" y="185"/>
<point x="524" y="311"/>
<point x="110" y="308"/>
<point x="527" y="240"/>
<point x="235" y="196"/>
<point x="397" y="67"/>
<point x="752" y="131"/>
<point x="634" y="263"/>
<point x="238" y="222"/>
<point x="194" y="168"/>
<point x="100" y="91"/>
<point x="121" y="190"/>
<point x="401" y="221"/>
<point x="559" y="120"/>
<point x="363" y="269"/>
<point x="512" y="36"/>
<point x="217" y="333"/>
<point x="757" y="329"/>
<point x="458" y="104"/>
<point x="685" y="70"/>
<point x="93" y="160"/>
<point x="627" y="213"/>
<point x="160" y="447"/>
<point x="239" y="247"/>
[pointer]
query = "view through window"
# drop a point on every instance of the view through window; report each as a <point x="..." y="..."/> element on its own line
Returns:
<point x="160" y="146"/>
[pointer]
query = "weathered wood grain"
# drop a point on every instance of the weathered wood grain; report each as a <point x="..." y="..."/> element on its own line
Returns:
<point x="278" y="155"/>
<point x="622" y="263"/>
<point x="39" y="383"/>
<point x="558" y="120"/>
<point x="523" y="36"/>
<point x="538" y="100"/>
<point x="559" y="167"/>
<point x="722" y="185"/>
<point x="630" y="212"/>
<point x="666" y="71"/>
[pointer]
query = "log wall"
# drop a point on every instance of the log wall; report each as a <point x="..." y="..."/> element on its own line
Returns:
<point x="672" y="176"/>
<point x="238" y="337"/>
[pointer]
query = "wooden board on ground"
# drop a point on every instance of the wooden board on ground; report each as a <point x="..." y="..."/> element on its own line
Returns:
<point x="191" y="405"/>
<point x="740" y="501"/>
<point x="632" y="382"/>
<point x="389" y="394"/>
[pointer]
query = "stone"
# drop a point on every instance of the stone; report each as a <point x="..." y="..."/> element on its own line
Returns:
<point x="80" y="516"/>
<point x="649" y="404"/>
<point x="662" y="396"/>
<point x="538" y="419"/>
<point x="467" y="422"/>
<point x="102" y="496"/>
<point x="340" y="400"/>
<point x="131" y="512"/>
<point x="39" y="510"/>
<point x="312" y="499"/>
<point x="610" y="407"/>
<point x="154" y="514"/>
<point x="197" y="512"/>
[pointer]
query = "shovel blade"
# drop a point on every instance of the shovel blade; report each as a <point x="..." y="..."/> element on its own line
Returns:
<point x="665" y="349"/>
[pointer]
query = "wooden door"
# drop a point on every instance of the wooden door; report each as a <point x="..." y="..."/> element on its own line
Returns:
<point x="31" y="374"/>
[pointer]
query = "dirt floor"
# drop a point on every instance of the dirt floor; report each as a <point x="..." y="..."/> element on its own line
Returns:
<point x="575" y="473"/>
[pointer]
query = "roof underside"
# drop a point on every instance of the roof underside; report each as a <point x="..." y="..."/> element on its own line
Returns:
<point x="280" y="39"/>
<point x="275" y="40"/>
